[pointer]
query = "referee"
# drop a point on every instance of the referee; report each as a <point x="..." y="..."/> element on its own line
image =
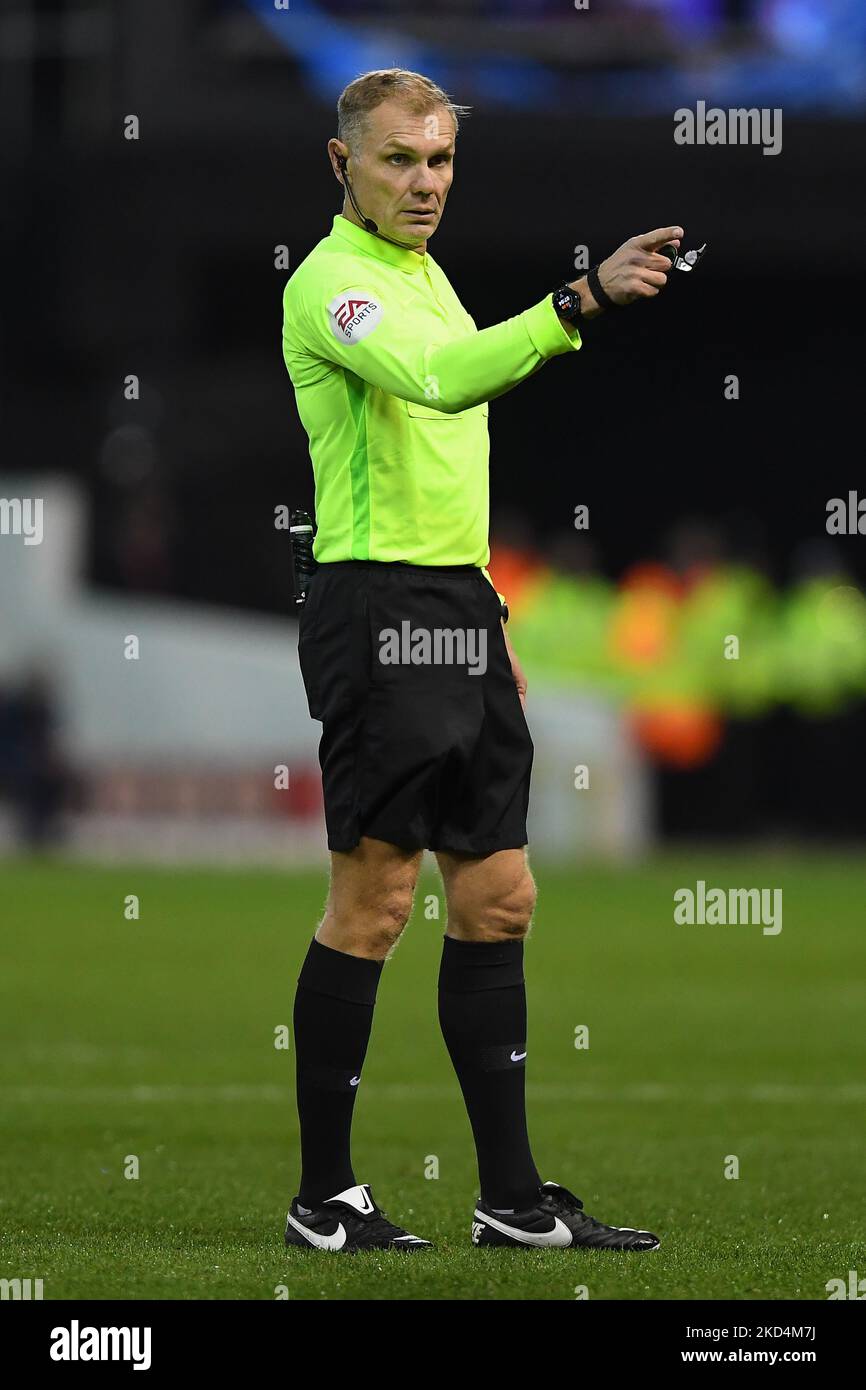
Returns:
<point x="407" y="664"/>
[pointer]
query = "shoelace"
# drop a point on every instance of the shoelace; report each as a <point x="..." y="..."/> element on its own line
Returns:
<point x="378" y="1226"/>
<point x="563" y="1197"/>
<point x="562" y="1194"/>
<point x="372" y="1227"/>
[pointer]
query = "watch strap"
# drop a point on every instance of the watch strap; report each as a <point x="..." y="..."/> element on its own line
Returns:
<point x="601" y="297"/>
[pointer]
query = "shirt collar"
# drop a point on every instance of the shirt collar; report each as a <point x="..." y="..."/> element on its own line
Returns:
<point x="374" y="246"/>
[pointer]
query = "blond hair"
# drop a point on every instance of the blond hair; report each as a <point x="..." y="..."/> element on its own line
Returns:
<point x="413" y="90"/>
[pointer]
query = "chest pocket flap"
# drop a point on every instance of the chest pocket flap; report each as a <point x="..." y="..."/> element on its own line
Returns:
<point x="426" y="412"/>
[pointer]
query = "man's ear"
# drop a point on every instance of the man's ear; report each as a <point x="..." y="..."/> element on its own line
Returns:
<point x="340" y="160"/>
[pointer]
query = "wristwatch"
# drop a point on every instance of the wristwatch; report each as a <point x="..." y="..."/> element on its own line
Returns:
<point x="566" y="302"/>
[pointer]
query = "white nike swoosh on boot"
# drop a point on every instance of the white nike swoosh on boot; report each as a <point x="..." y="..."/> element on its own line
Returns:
<point x="560" y="1236"/>
<point x="333" y="1242"/>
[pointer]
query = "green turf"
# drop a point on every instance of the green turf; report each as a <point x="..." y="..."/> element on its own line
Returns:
<point x="155" y="1038"/>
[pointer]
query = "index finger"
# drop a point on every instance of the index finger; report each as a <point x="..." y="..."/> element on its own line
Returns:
<point x="648" y="241"/>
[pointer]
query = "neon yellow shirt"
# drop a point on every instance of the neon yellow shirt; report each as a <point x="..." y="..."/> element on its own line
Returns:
<point x="392" y="380"/>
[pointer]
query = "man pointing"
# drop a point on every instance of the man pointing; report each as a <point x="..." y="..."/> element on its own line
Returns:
<point x="407" y="664"/>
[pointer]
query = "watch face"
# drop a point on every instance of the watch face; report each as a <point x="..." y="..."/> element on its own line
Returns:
<point x="567" y="302"/>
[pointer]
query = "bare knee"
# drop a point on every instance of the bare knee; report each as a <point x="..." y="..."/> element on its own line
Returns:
<point x="370" y="901"/>
<point x="509" y="915"/>
<point x="388" y="914"/>
<point x="502" y="913"/>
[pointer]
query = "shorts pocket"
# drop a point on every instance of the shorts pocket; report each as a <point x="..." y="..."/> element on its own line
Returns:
<point x="310" y="675"/>
<point x="333" y="645"/>
<point x="307" y="625"/>
<point x="308" y="611"/>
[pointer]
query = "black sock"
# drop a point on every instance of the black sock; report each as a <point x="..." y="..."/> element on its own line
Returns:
<point x="482" y="1013"/>
<point x="332" y="1018"/>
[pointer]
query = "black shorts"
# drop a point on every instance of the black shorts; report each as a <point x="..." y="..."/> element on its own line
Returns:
<point x="424" y="742"/>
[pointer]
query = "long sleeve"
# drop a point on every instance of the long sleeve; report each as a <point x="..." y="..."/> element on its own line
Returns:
<point x="390" y="348"/>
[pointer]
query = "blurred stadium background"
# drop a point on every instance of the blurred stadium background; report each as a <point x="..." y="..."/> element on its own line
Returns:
<point x="707" y="518"/>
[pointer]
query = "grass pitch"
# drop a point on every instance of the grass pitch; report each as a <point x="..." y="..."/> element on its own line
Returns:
<point x="154" y="1039"/>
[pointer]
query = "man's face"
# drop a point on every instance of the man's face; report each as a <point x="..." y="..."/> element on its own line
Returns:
<point x="403" y="170"/>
